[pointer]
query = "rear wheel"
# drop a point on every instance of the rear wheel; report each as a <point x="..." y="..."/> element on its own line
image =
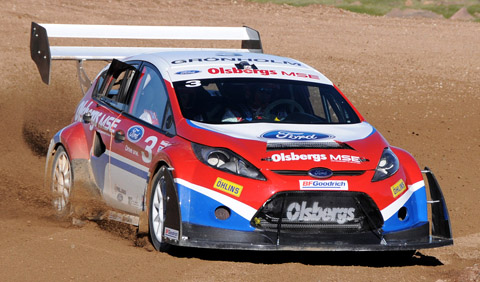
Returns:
<point x="62" y="182"/>
<point x="157" y="210"/>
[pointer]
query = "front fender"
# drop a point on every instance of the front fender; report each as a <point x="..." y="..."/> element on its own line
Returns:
<point x="409" y="164"/>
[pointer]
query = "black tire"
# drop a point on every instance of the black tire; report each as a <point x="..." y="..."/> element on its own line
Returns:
<point x="157" y="210"/>
<point x="61" y="183"/>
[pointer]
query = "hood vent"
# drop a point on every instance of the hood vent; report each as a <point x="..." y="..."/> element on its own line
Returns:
<point x="271" y="146"/>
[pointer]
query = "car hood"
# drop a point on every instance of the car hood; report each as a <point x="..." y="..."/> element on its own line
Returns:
<point x="294" y="146"/>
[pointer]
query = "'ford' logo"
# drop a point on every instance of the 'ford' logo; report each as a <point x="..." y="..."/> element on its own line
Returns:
<point x="297" y="136"/>
<point x="187" y="72"/>
<point x="135" y="133"/>
<point x="320" y="172"/>
<point x="229" y="54"/>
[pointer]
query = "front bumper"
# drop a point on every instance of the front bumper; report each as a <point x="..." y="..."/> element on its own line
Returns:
<point x="216" y="238"/>
<point x="364" y="238"/>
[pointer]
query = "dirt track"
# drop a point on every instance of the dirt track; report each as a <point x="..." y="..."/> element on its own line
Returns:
<point x="416" y="80"/>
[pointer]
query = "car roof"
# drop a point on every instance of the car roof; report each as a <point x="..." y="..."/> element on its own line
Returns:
<point x="186" y="65"/>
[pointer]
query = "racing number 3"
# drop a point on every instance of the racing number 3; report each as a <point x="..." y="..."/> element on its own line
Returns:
<point x="151" y="142"/>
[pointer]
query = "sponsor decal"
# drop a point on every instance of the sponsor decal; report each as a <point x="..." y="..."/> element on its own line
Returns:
<point x="163" y="144"/>
<point x="300" y="212"/>
<point x="299" y="74"/>
<point x="238" y="71"/>
<point x="185" y="72"/>
<point x="228" y="187"/>
<point x="323" y="185"/>
<point x="292" y="156"/>
<point x="297" y="157"/>
<point x="233" y="59"/>
<point x="262" y="72"/>
<point x="229" y="54"/>
<point x="99" y="119"/>
<point x="134" y="203"/>
<point x="320" y="172"/>
<point x="120" y="190"/>
<point x="171" y="233"/>
<point x="131" y="151"/>
<point x="398" y="188"/>
<point x="296" y="136"/>
<point x="135" y="133"/>
<point x="346" y="159"/>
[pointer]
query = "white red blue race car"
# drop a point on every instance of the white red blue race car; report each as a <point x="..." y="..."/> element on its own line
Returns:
<point x="232" y="149"/>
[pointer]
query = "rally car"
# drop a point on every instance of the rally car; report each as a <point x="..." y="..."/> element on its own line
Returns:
<point x="232" y="149"/>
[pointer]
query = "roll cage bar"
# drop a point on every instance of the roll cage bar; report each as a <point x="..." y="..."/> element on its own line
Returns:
<point x="43" y="53"/>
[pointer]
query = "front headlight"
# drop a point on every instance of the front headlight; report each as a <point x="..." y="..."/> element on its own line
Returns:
<point x="226" y="160"/>
<point x="387" y="166"/>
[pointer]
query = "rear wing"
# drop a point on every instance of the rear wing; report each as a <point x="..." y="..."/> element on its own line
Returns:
<point x="42" y="53"/>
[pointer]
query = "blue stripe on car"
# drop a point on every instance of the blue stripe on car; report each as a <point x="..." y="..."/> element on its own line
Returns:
<point x="197" y="208"/>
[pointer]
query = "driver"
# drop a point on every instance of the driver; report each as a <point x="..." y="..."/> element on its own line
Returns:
<point x="259" y="101"/>
<point x="257" y="97"/>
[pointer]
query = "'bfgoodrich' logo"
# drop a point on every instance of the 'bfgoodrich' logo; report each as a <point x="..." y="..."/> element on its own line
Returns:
<point x="295" y="136"/>
<point x="135" y="133"/>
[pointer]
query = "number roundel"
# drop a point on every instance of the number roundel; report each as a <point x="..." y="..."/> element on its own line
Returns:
<point x="193" y="83"/>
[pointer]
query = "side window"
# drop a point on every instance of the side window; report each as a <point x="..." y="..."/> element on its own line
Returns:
<point x="168" y="124"/>
<point x="319" y="103"/>
<point x="150" y="97"/>
<point x="330" y="106"/>
<point x="114" y="84"/>
<point x="98" y="86"/>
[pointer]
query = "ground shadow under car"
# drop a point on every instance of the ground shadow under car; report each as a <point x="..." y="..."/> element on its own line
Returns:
<point x="370" y="259"/>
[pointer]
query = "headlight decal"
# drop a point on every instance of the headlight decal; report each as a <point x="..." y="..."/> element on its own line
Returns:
<point x="387" y="166"/>
<point x="225" y="160"/>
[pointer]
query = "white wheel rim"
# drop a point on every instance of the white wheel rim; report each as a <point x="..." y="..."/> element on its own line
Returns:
<point x="62" y="182"/>
<point x="158" y="218"/>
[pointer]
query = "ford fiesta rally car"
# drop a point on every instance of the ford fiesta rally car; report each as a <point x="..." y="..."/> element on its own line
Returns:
<point x="232" y="149"/>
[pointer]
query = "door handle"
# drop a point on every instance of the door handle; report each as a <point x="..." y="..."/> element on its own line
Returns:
<point x="119" y="136"/>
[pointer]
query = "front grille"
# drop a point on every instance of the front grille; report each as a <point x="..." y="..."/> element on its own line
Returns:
<point x="273" y="226"/>
<point x="318" y="212"/>
<point x="305" y="172"/>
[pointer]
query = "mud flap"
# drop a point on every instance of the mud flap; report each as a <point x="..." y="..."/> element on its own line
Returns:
<point x="172" y="232"/>
<point x="440" y="218"/>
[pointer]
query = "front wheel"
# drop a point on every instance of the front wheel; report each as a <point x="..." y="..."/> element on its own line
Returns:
<point x="61" y="182"/>
<point x="157" y="210"/>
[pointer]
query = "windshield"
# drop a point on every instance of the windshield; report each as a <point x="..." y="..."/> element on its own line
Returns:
<point x="245" y="100"/>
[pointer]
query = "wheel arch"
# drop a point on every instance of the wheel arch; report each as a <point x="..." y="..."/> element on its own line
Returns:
<point x="52" y="149"/>
<point x="409" y="164"/>
<point x="73" y="139"/>
<point x="414" y="180"/>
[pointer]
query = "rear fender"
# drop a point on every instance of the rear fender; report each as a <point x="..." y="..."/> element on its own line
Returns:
<point x="74" y="140"/>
